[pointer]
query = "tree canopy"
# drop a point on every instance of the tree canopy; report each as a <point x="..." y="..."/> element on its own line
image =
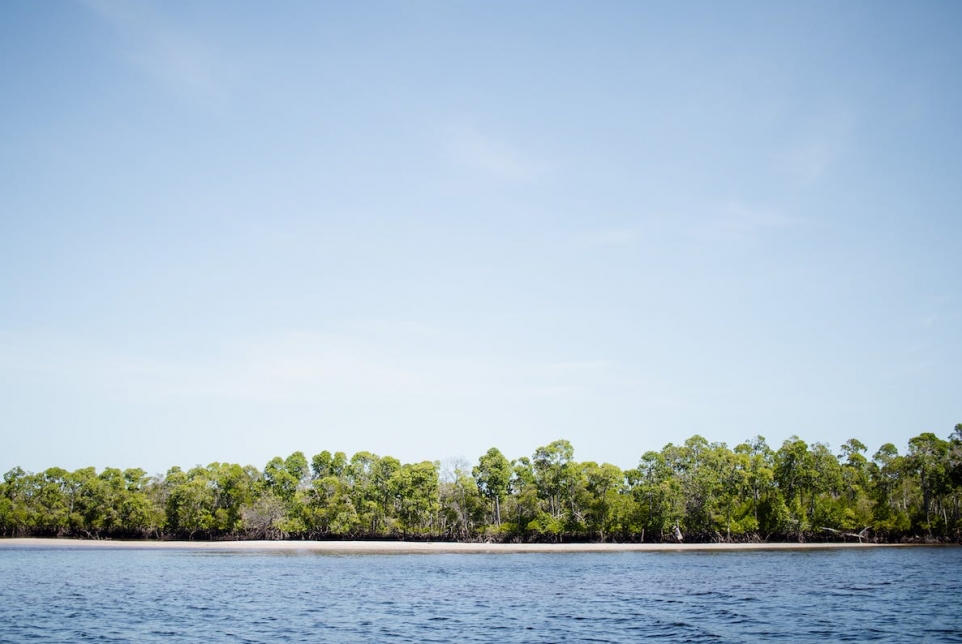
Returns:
<point x="696" y="491"/>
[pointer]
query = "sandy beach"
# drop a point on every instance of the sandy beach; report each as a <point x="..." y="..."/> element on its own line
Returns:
<point x="415" y="547"/>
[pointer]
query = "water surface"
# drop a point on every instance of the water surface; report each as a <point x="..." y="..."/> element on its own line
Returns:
<point x="108" y="595"/>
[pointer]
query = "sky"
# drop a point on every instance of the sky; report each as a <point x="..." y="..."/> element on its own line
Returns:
<point x="233" y="230"/>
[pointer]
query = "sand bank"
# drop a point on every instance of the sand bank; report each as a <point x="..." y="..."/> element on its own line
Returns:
<point x="413" y="547"/>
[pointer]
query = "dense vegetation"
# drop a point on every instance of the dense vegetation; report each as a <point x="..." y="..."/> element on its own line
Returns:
<point x="698" y="491"/>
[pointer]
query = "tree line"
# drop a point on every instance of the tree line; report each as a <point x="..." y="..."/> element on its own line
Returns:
<point x="696" y="491"/>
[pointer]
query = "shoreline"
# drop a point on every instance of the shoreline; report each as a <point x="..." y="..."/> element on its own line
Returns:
<point x="425" y="547"/>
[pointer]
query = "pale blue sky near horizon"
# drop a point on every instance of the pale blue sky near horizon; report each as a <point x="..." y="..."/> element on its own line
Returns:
<point x="233" y="230"/>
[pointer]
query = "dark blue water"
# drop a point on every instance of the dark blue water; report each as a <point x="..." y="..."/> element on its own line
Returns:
<point x="885" y="595"/>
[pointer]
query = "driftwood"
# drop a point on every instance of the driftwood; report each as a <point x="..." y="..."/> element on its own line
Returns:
<point x="858" y="536"/>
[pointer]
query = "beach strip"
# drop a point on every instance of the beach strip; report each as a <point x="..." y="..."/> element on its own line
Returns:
<point x="418" y="547"/>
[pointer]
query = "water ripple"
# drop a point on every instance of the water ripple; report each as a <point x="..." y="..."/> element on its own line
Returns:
<point x="877" y="595"/>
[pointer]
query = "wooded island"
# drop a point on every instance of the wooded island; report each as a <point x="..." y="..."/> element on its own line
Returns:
<point x="696" y="492"/>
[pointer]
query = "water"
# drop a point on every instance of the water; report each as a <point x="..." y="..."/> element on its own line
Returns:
<point x="884" y="595"/>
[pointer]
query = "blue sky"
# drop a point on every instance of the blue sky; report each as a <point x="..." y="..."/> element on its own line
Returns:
<point x="229" y="231"/>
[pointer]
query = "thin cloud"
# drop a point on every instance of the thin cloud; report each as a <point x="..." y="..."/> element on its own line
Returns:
<point x="740" y="221"/>
<point x="611" y="237"/>
<point x="286" y="368"/>
<point x="293" y="368"/>
<point x="813" y="158"/>
<point x="561" y="391"/>
<point x="492" y="156"/>
<point x="928" y="321"/>
<point x="184" y="63"/>
<point x="744" y="218"/>
<point x="809" y="162"/>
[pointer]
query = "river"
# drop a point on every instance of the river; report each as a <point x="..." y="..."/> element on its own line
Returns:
<point x="52" y="594"/>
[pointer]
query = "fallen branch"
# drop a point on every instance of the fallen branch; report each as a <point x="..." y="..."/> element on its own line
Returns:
<point x="858" y="536"/>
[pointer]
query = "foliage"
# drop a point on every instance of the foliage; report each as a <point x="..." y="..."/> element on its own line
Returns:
<point x="696" y="491"/>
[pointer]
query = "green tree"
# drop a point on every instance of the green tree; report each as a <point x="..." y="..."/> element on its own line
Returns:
<point x="795" y="475"/>
<point x="416" y="491"/>
<point x="325" y="464"/>
<point x="889" y="490"/>
<point x="855" y="477"/>
<point x="189" y="502"/>
<point x="657" y="495"/>
<point x="759" y="476"/>
<point x="553" y="475"/>
<point x="928" y="461"/>
<point x="493" y="476"/>
<point x="522" y="502"/>
<point x="283" y="477"/>
<point x="603" y="485"/>
<point x="233" y="487"/>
